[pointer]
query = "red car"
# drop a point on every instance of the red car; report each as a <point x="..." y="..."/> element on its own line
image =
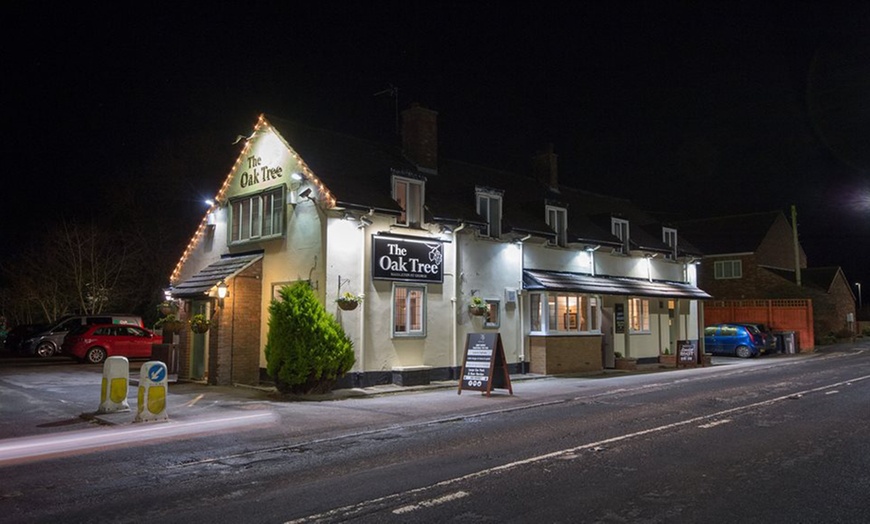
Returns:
<point x="96" y="342"/>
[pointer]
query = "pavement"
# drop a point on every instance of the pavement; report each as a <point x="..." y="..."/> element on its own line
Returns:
<point x="187" y="401"/>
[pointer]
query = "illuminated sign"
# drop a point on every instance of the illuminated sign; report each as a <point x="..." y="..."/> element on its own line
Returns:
<point x="258" y="172"/>
<point x="408" y="260"/>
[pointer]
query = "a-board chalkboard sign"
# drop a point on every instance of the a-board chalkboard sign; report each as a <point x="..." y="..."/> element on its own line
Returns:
<point x="687" y="352"/>
<point x="484" y="366"/>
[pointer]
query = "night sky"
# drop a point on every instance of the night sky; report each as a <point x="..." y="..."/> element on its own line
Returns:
<point x="692" y="108"/>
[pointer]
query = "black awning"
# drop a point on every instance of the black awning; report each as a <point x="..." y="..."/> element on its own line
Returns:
<point x="204" y="280"/>
<point x="534" y="279"/>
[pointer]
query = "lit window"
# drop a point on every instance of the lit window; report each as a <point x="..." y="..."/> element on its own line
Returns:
<point x="408" y="194"/>
<point x="669" y="237"/>
<point x="723" y="269"/>
<point x="619" y="227"/>
<point x="256" y="217"/>
<point x="638" y="315"/>
<point x="489" y="207"/>
<point x="409" y="311"/>
<point x="557" y="219"/>
<point x="564" y="313"/>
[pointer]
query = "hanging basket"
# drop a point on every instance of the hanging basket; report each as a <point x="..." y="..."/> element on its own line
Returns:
<point x="477" y="311"/>
<point x="199" y="324"/>
<point x="172" y="326"/>
<point x="347" y="305"/>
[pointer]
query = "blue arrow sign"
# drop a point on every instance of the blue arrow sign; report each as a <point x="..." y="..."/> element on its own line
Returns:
<point x="157" y="373"/>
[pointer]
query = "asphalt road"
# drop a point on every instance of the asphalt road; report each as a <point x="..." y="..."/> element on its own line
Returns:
<point x="769" y="440"/>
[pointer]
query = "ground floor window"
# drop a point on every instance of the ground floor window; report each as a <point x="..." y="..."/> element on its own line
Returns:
<point x="564" y="313"/>
<point x="409" y="311"/>
<point x="638" y="315"/>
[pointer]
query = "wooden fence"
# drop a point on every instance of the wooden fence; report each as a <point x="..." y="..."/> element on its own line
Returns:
<point x="778" y="314"/>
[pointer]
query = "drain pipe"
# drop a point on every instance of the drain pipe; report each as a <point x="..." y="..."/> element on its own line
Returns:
<point x="362" y="305"/>
<point x="457" y="279"/>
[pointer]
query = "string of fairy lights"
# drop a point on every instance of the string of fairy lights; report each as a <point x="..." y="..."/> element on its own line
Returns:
<point x="324" y="195"/>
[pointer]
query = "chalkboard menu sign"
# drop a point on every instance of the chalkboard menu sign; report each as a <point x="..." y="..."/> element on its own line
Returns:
<point x="619" y="318"/>
<point x="687" y="352"/>
<point x="484" y="366"/>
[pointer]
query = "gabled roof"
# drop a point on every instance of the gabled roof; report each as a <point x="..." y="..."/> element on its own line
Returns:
<point x="199" y="285"/>
<point x="356" y="171"/>
<point x="821" y="278"/>
<point x="728" y="234"/>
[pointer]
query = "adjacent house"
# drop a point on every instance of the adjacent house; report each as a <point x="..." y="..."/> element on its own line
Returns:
<point x="757" y="271"/>
<point x="568" y="278"/>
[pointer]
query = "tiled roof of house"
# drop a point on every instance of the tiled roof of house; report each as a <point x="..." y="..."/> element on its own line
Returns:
<point x="358" y="173"/>
<point x="821" y="278"/>
<point x="728" y="234"/>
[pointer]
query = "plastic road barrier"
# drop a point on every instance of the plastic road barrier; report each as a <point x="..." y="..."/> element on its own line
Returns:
<point x="152" y="392"/>
<point x="116" y="380"/>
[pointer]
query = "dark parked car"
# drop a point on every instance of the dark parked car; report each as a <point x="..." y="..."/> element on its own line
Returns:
<point x="767" y="335"/>
<point x="16" y="336"/>
<point x="733" y="339"/>
<point x="96" y="342"/>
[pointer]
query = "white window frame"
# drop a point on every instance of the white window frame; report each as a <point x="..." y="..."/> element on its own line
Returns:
<point x="489" y="206"/>
<point x="557" y="219"/>
<point x="728" y="269"/>
<point x="257" y="217"/>
<point x="669" y="237"/>
<point x="621" y="230"/>
<point x="638" y="316"/>
<point x="547" y="308"/>
<point x="492" y="317"/>
<point x="406" y="327"/>
<point x="410" y="195"/>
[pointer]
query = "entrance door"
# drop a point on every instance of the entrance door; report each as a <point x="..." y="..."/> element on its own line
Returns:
<point x="198" y="344"/>
<point x="607" y="357"/>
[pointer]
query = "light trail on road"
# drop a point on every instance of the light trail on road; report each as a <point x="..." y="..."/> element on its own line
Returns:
<point x="18" y="450"/>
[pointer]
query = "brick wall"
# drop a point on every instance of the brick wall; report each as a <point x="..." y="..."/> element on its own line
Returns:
<point x="234" y="342"/>
<point x="555" y="355"/>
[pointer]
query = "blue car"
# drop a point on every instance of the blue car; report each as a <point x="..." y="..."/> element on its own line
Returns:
<point x="739" y="340"/>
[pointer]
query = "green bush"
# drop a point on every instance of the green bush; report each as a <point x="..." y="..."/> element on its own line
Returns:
<point x="866" y="331"/>
<point x="307" y="350"/>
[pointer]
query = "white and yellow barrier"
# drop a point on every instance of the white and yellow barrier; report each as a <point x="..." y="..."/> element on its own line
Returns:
<point x="152" y="392"/>
<point x="116" y="381"/>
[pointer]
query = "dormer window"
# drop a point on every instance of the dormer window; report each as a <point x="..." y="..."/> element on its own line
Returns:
<point x="619" y="227"/>
<point x="489" y="207"/>
<point x="408" y="193"/>
<point x="669" y="237"/>
<point x="557" y="219"/>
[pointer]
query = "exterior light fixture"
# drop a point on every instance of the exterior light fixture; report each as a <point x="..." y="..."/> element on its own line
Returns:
<point x="222" y="293"/>
<point x="209" y="202"/>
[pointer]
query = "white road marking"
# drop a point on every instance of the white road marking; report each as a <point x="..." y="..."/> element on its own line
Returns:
<point x="430" y="503"/>
<point x="350" y="511"/>
<point x="715" y="423"/>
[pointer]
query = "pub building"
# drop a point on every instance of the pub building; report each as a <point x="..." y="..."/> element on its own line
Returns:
<point x="436" y="249"/>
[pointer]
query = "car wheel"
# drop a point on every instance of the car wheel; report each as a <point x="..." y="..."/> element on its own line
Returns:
<point x="744" y="352"/>
<point x="95" y="355"/>
<point x="45" y="349"/>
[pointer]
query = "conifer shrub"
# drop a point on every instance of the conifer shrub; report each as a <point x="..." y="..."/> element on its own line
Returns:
<point x="307" y="350"/>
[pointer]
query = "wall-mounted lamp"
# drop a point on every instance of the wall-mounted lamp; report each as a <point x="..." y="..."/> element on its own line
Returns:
<point x="446" y="229"/>
<point x="296" y="176"/>
<point x="364" y="221"/>
<point x="222" y="293"/>
<point x="167" y="294"/>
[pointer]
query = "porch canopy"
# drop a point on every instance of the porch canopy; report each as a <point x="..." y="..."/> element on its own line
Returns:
<point x="199" y="285"/>
<point x="541" y="280"/>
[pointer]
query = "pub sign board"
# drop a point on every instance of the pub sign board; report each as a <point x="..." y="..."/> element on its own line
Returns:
<point x="484" y="366"/>
<point x="408" y="260"/>
<point x="687" y="352"/>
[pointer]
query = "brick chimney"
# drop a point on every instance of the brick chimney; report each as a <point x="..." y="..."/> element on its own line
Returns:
<point x="546" y="167"/>
<point x="420" y="136"/>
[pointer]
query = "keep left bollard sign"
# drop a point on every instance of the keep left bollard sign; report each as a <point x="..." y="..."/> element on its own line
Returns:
<point x="152" y="392"/>
<point x="116" y="377"/>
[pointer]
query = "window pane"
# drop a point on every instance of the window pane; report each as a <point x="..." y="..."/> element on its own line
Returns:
<point x="401" y="198"/>
<point x="416" y="309"/>
<point x="551" y="313"/>
<point x="415" y="204"/>
<point x="401" y="311"/>
<point x="268" y="207"/>
<point x="256" y="216"/>
<point x="535" y="311"/>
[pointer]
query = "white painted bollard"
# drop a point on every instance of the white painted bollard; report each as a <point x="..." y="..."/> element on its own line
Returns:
<point x="152" y="392"/>
<point x="116" y="381"/>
